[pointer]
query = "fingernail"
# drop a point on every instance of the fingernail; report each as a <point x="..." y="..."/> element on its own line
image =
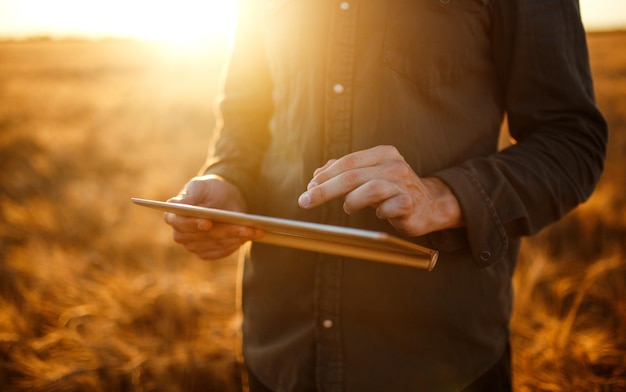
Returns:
<point x="304" y="200"/>
<point x="312" y="184"/>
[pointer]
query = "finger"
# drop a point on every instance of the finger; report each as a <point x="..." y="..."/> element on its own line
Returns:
<point x="207" y="246"/>
<point x="192" y="193"/>
<point x="313" y="183"/>
<point x="360" y="159"/>
<point x="245" y="233"/>
<point x="182" y="198"/>
<point x="370" y="194"/>
<point x="219" y="232"/>
<point x="209" y="250"/>
<point x="185" y="224"/>
<point x="200" y="247"/>
<point x="326" y="165"/>
<point x="338" y="186"/>
<point x="217" y="254"/>
<point x="199" y="237"/>
<point x="396" y="207"/>
<point x="176" y="199"/>
<point x="339" y="166"/>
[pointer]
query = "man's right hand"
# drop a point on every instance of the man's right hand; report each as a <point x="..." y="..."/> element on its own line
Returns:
<point x="207" y="239"/>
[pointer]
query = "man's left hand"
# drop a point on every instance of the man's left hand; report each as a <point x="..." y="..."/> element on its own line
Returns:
<point x="381" y="178"/>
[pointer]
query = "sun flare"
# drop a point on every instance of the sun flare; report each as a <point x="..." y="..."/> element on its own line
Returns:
<point x="183" y="22"/>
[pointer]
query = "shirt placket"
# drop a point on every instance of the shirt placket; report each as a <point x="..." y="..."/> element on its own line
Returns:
<point x="337" y="138"/>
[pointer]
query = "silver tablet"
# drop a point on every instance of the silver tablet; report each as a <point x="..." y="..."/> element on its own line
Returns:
<point x="315" y="237"/>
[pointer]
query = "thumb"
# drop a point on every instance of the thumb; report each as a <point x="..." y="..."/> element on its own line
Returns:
<point x="184" y="197"/>
<point x="196" y="192"/>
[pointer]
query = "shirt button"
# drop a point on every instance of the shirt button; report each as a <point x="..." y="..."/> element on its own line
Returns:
<point x="338" y="88"/>
<point x="485" y="255"/>
<point x="327" y="323"/>
<point x="344" y="5"/>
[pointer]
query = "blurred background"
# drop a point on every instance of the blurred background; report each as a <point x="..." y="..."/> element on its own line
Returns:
<point x="102" y="101"/>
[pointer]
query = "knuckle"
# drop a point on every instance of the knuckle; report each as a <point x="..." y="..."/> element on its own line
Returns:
<point x="351" y="178"/>
<point x="319" y="193"/>
<point x="377" y="189"/>
<point x="241" y="232"/>
<point x="380" y="212"/>
<point x="387" y="150"/>
<point x="395" y="207"/>
<point x="400" y="168"/>
<point x="350" y="161"/>
<point x="404" y="203"/>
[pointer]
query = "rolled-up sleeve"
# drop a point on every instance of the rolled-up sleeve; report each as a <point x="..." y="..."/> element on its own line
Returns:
<point x="245" y="107"/>
<point x="560" y="136"/>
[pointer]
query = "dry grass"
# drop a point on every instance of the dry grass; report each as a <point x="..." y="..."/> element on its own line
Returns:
<point x="95" y="296"/>
<point x="569" y="323"/>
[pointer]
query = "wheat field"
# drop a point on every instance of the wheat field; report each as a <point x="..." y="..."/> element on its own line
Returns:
<point x="95" y="296"/>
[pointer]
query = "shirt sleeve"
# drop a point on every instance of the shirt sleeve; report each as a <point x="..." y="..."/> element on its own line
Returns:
<point x="540" y="52"/>
<point x="244" y="108"/>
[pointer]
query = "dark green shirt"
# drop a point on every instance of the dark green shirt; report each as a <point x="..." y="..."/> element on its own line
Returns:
<point x="311" y="80"/>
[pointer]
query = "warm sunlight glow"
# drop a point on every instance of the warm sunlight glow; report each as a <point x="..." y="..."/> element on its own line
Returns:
<point x="181" y="22"/>
<point x="185" y="22"/>
<point x="603" y="14"/>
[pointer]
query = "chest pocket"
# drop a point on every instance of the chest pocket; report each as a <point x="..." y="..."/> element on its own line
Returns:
<point x="282" y="30"/>
<point x="435" y="42"/>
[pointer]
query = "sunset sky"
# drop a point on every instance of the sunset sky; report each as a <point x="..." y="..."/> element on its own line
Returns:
<point x="179" y="21"/>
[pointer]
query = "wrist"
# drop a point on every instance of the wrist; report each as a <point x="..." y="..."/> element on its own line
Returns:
<point x="446" y="210"/>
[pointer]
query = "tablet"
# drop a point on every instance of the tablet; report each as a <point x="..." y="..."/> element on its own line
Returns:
<point x="342" y="241"/>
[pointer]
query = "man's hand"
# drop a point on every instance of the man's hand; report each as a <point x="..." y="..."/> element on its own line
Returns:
<point x="380" y="178"/>
<point x="207" y="239"/>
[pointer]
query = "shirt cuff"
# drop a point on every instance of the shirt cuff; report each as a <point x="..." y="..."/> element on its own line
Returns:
<point x="485" y="231"/>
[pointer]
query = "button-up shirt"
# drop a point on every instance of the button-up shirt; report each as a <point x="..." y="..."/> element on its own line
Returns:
<point x="313" y="80"/>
